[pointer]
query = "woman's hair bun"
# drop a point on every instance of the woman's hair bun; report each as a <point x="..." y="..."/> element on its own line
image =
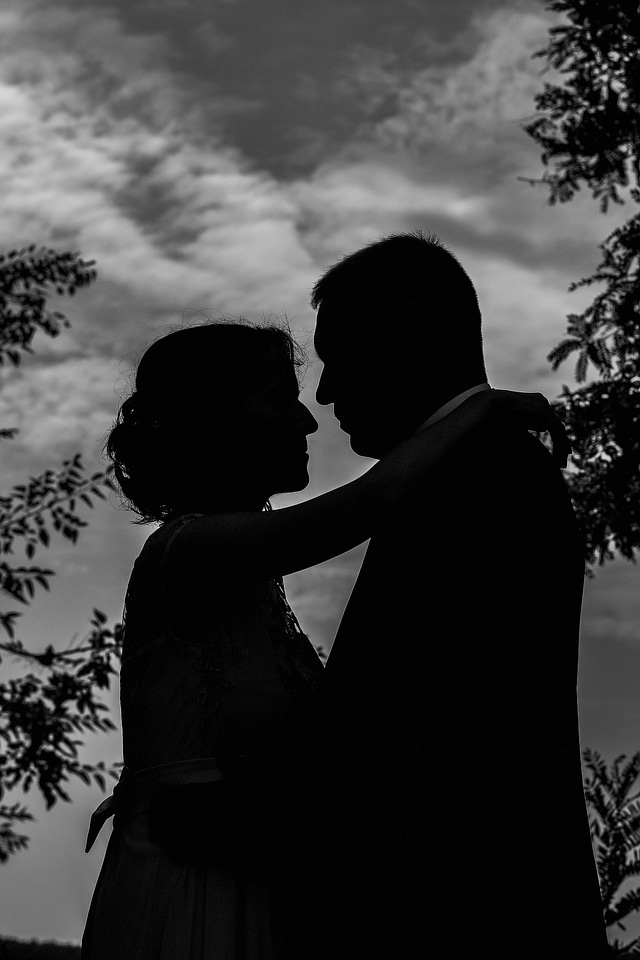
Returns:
<point x="137" y="407"/>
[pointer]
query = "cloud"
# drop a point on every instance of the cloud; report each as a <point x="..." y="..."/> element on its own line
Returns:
<point x="61" y="406"/>
<point x="119" y="166"/>
<point x="174" y="220"/>
<point x="110" y="155"/>
<point x="177" y="221"/>
<point x="319" y="595"/>
<point x="611" y="606"/>
<point x="477" y="105"/>
<point x="177" y="218"/>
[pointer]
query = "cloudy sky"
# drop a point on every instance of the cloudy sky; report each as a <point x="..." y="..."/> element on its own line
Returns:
<point x="213" y="157"/>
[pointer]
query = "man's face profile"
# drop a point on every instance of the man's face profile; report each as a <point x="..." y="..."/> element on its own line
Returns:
<point x="362" y="377"/>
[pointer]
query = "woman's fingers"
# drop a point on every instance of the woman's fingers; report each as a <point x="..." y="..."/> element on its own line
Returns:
<point x="563" y="444"/>
<point x="559" y="440"/>
<point x="553" y="425"/>
<point x="534" y="412"/>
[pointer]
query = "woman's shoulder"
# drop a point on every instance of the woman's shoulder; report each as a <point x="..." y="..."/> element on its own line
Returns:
<point x="195" y="563"/>
<point x="223" y="547"/>
<point x="171" y="527"/>
<point x="166" y="543"/>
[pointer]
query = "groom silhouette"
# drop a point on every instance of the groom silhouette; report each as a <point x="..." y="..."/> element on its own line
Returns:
<point x="451" y="820"/>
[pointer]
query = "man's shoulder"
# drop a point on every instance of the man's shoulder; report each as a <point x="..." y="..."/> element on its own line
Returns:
<point x="502" y="472"/>
<point x="500" y="443"/>
<point x="502" y="455"/>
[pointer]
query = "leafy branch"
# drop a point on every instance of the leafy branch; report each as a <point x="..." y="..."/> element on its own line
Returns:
<point x="614" y="822"/>
<point x="43" y="720"/>
<point x="38" y="716"/>
<point x="589" y="130"/>
<point x="27" y="277"/>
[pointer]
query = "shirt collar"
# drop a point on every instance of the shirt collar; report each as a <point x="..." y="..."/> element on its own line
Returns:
<point x="452" y="404"/>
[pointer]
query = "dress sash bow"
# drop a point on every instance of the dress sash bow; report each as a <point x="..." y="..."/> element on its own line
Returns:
<point x="198" y="770"/>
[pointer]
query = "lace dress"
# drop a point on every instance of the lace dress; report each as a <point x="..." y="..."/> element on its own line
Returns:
<point x="211" y="693"/>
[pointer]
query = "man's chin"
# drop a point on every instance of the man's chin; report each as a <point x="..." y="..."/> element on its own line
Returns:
<point x="375" y="446"/>
<point x="365" y="447"/>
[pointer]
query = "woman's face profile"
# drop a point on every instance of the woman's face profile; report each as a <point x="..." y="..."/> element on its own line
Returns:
<point x="272" y="441"/>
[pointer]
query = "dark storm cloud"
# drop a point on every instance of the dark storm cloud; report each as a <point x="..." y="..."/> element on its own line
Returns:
<point x="288" y="83"/>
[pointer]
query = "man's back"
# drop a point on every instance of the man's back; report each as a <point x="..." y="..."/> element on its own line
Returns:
<point x="454" y="817"/>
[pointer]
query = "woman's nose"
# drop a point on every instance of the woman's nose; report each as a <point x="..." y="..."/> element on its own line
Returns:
<point x="312" y="423"/>
<point x="307" y="418"/>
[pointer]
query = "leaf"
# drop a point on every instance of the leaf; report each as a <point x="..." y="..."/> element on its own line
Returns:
<point x="628" y="777"/>
<point x="581" y="367"/>
<point x="625" y="905"/>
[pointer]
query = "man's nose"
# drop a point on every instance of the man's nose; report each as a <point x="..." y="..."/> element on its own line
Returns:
<point x="324" y="393"/>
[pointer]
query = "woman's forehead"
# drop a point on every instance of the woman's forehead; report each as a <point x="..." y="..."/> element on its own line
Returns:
<point x="277" y="370"/>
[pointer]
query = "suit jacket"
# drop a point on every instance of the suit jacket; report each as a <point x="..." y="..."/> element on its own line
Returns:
<point x="452" y="810"/>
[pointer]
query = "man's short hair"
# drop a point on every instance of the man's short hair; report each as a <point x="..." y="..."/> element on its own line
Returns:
<point x="419" y="271"/>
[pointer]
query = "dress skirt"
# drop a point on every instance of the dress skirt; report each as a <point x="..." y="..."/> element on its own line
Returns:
<point x="149" y="904"/>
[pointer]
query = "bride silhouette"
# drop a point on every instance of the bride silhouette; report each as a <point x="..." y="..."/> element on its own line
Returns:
<point x="217" y="679"/>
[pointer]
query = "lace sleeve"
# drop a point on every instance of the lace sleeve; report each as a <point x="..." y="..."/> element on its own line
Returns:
<point x="180" y="524"/>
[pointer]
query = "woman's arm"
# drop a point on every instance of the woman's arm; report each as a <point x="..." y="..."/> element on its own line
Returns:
<point x="279" y="542"/>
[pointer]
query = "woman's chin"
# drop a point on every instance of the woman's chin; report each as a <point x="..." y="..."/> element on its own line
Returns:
<point x="301" y="483"/>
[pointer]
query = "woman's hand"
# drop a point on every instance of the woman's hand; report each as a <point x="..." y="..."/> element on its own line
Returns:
<point x="533" y="411"/>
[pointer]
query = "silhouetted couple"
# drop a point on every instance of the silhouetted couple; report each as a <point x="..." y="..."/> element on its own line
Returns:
<point x="421" y="797"/>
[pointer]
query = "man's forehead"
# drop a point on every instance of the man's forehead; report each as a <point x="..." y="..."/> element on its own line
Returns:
<point x="331" y="335"/>
<point x="340" y="320"/>
<point x="341" y="305"/>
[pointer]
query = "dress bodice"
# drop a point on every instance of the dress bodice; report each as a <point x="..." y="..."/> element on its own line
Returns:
<point x="219" y="674"/>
